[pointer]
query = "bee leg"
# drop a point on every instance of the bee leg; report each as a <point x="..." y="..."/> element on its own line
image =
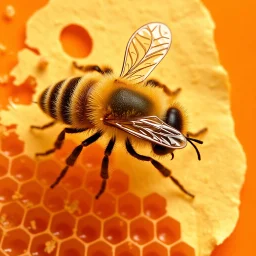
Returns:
<point x="70" y="161"/>
<point x="164" y="171"/>
<point x="198" y="133"/>
<point x="43" y="126"/>
<point x="60" y="139"/>
<point x="104" y="167"/>
<point x="91" y="68"/>
<point x="166" y="90"/>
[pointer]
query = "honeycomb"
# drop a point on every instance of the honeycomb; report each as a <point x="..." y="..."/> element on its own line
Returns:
<point x="36" y="220"/>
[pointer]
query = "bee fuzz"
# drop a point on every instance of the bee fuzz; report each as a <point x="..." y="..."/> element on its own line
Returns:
<point x="9" y="12"/>
<point x="42" y="63"/>
<point x="4" y="79"/>
<point x="2" y="49"/>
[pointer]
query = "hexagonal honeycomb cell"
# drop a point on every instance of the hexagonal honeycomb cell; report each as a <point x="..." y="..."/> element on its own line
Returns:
<point x="118" y="182"/>
<point x="22" y="168"/>
<point x="4" y="164"/>
<point x="79" y="202"/>
<point x="141" y="230"/>
<point x="62" y="225"/>
<point x="43" y="245"/>
<point x="100" y="249"/>
<point x="93" y="181"/>
<point x="12" y="145"/>
<point x="54" y="199"/>
<point x="155" y="249"/>
<point x="72" y="247"/>
<point x="8" y="187"/>
<point x="105" y="206"/>
<point x="31" y="193"/>
<point x="36" y="220"/>
<point x="11" y="215"/>
<point x="168" y="230"/>
<point x="129" y="206"/>
<point x="15" y="242"/>
<point x="127" y="249"/>
<point x="48" y="171"/>
<point x="154" y="206"/>
<point x="91" y="156"/>
<point x="182" y="249"/>
<point x="74" y="178"/>
<point x="115" y="230"/>
<point x="89" y="228"/>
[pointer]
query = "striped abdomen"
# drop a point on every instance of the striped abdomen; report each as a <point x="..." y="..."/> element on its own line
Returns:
<point x="67" y="101"/>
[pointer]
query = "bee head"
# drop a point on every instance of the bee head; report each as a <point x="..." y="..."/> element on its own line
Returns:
<point x="175" y="118"/>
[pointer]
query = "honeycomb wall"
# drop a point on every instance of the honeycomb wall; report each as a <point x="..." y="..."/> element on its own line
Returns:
<point x="67" y="220"/>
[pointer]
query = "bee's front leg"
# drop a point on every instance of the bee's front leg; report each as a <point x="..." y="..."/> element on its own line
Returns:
<point x="163" y="170"/>
<point x="155" y="83"/>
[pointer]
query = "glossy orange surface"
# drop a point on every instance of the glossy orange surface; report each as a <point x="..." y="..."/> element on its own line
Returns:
<point x="235" y="40"/>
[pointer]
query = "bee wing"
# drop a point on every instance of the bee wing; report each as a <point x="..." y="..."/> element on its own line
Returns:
<point x="153" y="129"/>
<point x="145" y="49"/>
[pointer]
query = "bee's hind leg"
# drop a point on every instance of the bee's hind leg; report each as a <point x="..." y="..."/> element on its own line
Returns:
<point x="60" y="139"/>
<point x="91" y="68"/>
<point x="71" y="159"/>
<point x="155" y="83"/>
<point x="104" y="167"/>
<point x="164" y="171"/>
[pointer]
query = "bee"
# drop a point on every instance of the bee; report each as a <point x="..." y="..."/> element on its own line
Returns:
<point x="127" y="108"/>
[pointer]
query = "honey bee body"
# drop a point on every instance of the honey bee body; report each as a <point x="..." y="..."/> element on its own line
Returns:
<point x="126" y="108"/>
<point x="85" y="101"/>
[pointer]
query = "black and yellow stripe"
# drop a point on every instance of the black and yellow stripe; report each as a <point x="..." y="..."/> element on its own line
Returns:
<point x="64" y="104"/>
<point x="67" y="101"/>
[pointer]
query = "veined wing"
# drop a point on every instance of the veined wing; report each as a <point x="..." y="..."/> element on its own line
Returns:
<point x="145" y="49"/>
<point x="153" y="129"/>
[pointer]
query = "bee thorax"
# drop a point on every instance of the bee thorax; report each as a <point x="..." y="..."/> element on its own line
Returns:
<point x="127" y="103"/>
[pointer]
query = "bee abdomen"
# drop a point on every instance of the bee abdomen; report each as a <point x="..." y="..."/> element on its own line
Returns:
<point x="65" y="100"/>
<point x="56" y="100"/>
<point x="53" y="99"/>
<point x="42" y="100"/>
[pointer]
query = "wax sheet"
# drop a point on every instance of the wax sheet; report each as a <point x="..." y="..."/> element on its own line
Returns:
<point x="191" y="64"/>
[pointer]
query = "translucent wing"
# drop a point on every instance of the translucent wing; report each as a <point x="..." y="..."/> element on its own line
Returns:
<point x="151" y="128"/>
<point x="145" y="49"/>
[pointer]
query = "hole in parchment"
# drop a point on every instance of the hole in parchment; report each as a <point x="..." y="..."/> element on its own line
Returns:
<point x="76" y="41"/>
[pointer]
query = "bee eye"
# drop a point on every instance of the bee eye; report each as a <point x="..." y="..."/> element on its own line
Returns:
<point x="174" y="118"/>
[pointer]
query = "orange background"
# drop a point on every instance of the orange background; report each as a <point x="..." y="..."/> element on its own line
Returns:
<point x="235" y="37"/>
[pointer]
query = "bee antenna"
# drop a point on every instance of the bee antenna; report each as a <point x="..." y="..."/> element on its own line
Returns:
<point x="34" y="101"/>
<point x="195" y="140"/>
<point x="194" y="146"/>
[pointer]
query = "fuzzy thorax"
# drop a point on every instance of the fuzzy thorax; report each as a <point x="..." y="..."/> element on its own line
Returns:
<point x="119" y="99"/>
